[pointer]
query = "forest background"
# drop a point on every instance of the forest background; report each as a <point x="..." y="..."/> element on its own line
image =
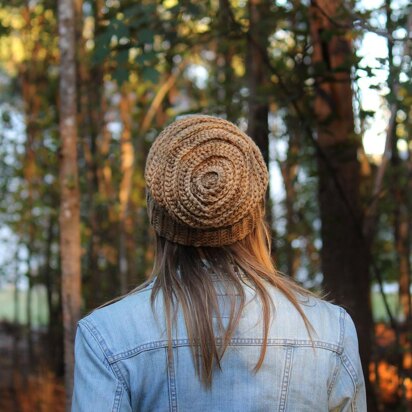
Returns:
<point x="323" y="87"/>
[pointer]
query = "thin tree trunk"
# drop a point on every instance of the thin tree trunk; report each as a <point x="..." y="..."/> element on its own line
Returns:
<point x="29" y="320"/>
<point x="15" y="376"/>
<point x="69" y="217"/>
<point x="16" y="294"/>
<point x="289" y="170"/>
<point x="258" y="107"/>
<point x="53" y="325"/>
<point x="257" y="80"/>
<point x="127" y="159"/>
<point x="89" y="87"/>
<point x="345" y="255"/>
<point x="226" y="51"/>
<point x="32" y="107"/>
<point x="406" y="298"/>
<point x="402" y="243"/>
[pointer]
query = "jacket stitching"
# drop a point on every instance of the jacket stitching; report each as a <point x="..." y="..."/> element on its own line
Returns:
<point x="335" y="374"/>
<point x="105" y="350"/>
<point x="117" y="397"/>
<point x="345" y="361"/>
<point x="233" y="342"/>
<point x="286" y="378"/>
<point x="120" y="375"/>
<point x="97" y="336"/>
<point x="354" y="378"/>
<point x="168" y="386"/>
<point x="171" y="382"/>
<point x="342" y="316"/>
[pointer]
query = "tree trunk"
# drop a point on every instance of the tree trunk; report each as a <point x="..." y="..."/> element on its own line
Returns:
<point x="224" y="61"/>
<point x="32" y="108"/>
<point x="90" y="122"/>
<point x="54" y="325"/>
<point x="127" y="159"/>
<point x="257" y="80"/>
<point x="345" y="254"/>
<point x="399" y="188"/>
<point x="29" y="307"/>
<point x="69" y="217"/>
<point x="289" y="169"/>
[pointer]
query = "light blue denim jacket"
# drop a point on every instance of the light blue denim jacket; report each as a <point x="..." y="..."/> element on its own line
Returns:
<point x="122" y="364"/>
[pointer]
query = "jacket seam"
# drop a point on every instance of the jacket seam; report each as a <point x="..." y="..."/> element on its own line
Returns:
<point x="105" y="351"/>
<point x="335" y="373"/>
<point x="342" y="315"/>
<point x="286" y="379"/>
<point x="171" y="382"/>
<point x="345" y="361"/>
<point x="233" y="342"/>
<point x="168" y="386"/>
<point x="118" y="397"/>
<point x="354" y="378"/>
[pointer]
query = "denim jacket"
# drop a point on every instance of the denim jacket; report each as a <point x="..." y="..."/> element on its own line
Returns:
<point x="122" y="363"/>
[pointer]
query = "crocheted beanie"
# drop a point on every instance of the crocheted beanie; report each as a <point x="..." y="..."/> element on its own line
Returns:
<point x="205" y="182"/>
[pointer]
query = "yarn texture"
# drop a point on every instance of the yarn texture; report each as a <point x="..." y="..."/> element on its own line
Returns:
<point x="205" y="182"/>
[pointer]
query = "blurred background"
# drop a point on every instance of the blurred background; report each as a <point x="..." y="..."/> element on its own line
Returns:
<point x="323" y="87"/>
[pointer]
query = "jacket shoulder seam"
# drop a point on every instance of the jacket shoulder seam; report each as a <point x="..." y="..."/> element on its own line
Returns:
<point x="335" y="373"/>
<point x="342" y="315"/>
<point x="345" y="360"/>
<point x="97" y="336"/>
<point x="354" y="377"/>
<point x="159" y="344"/>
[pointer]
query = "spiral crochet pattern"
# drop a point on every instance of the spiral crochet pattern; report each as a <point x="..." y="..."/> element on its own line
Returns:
<point x="205" y="182"/>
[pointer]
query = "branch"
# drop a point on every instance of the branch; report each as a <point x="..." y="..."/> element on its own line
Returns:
<point x="356" y="21"/>
<point x="160" y="95"/>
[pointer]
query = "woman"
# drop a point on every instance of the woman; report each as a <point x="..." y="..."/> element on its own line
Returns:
<point x="216" y="327"/>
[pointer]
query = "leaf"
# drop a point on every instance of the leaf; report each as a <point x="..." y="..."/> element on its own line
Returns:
<point x="121" y="75"/>
<point x="100" y="53"/>
<point x="118" y="28"/>
<point x="122" y="56"/>
<point x="149" y="9"/>
<point x="150" y="74"/>
<point x="137" y="22"/>
<point x="146" y="57"/>
<point x="132" y="10"/>
<point x="103" y="38"/>
<point x="146" y="36"/>
<point x="6" y="118"/>
<point x="193" y="9"/>
<point x="174" y="9"/>
<point x="366" y="113"/>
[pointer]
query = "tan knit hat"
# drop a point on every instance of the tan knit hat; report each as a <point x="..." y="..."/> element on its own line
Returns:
<point x="205" y="182"/>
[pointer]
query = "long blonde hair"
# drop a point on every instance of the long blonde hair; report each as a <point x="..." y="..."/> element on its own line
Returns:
<point x="182" y="279"/>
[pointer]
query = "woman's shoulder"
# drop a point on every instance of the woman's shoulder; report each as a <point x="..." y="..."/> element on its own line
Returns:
<point x="125" y="322"/>
<point x="329" y="320"/>
<point x="121" y="306"/>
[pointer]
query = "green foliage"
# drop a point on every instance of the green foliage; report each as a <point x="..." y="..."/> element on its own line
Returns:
<point x="150" y="74"/>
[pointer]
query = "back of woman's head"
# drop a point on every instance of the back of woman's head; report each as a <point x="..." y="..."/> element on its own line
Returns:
<point x="206" y="183"/>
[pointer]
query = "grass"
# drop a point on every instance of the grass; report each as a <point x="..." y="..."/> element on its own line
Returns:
<point x="39" y="310"/>
<point x="379" y="310"/>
